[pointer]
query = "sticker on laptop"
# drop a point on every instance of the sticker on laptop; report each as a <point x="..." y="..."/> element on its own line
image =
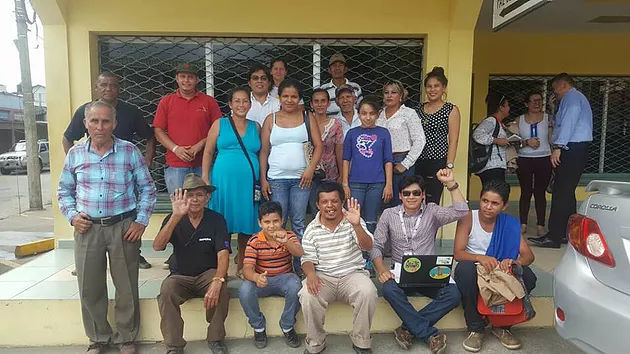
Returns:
<point x="444" y="261"/>
<point x="412" y="265"/>
<point x="440" y="272"/>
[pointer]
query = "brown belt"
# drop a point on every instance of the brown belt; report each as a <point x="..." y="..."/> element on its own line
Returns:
<point x="400" y="154"/>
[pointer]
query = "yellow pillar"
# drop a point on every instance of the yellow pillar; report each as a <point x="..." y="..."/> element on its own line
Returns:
<point x="463" y="19"/>
<point x="57" y="63"/>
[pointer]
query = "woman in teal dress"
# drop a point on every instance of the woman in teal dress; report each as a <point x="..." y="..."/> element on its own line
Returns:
<point x="231" y="173"/>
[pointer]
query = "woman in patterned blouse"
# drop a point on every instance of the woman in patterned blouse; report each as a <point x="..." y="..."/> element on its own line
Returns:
<point x="405" y="129"/>
<point x="440" y="121"/>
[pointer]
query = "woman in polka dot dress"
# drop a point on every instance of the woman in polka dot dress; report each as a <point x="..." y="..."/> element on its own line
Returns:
<point x="440" y="121"/>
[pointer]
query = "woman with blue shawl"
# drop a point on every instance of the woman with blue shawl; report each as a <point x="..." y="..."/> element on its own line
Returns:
<point x="493" y="239"/>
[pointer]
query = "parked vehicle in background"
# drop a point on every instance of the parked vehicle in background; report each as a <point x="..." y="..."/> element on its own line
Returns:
<point x="15" y="159"/>
<point x="591" y="284"/>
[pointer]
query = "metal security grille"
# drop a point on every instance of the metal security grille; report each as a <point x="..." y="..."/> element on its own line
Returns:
<point x="146" y="66"/>
<point x="609" y="97"/>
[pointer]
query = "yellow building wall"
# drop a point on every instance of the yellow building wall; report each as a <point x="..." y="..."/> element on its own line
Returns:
<point x="542" y="54"/>
<point x="71" y="29"/>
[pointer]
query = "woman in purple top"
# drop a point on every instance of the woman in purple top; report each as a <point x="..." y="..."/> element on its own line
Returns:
<point x="367" y="163"/>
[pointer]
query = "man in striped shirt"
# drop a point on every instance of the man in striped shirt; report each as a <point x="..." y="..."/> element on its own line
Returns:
<point x="411" y="229"/>
<point x="96" y="194"/>
<point x="337" y="69"/>
<point x="334" y="269"/>
<point x="268" y="270"/>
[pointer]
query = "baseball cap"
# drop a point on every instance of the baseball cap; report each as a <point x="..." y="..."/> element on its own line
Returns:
<point x="186" y="68"/>
<point x="336" y="57"/>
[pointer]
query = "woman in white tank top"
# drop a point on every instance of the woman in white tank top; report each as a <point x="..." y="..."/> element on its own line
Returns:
<point x="534" y="165"/>
<point x="473" y="243"/>
<point x="284" y="174"/>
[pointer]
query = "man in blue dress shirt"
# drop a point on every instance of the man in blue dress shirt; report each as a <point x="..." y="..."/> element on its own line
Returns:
<point x="572" y="135"/>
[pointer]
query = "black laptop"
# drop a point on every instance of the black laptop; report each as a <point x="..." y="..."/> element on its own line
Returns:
<point x="425" y="271"/>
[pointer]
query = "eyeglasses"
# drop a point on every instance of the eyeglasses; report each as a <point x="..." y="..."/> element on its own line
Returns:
<point x="415" y="192"/>
<point x="259" y="78"/>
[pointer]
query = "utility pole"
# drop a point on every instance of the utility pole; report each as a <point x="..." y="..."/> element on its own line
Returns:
<point x="30" y="127"/>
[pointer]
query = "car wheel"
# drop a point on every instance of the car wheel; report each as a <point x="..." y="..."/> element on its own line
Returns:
<point x="41" y="166"/>
<point x="4" y="171"/>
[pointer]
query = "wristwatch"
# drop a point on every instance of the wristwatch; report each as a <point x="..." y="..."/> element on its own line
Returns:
<point x="453" y="187"/>
<point x="450" y="165"/>
<point x="222" y="280"/>
<point x="560" y="147"/>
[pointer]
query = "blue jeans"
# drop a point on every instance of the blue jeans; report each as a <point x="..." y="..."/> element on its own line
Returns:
<point x="370" y="197"/>
<point x="286" y="285"/>
<point x="294" y="201"/>
<point x="174" y="176"/>
<point x="421" y="323"/>
<point x="396" y="181"/>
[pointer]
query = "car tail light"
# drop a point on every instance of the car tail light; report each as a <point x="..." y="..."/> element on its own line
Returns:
<point x="587" y="238"/>
<point x="560" y="314"/>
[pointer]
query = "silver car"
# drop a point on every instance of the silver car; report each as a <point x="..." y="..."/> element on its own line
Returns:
<point x="15" y="159"/>
<point x="591" y="284"/>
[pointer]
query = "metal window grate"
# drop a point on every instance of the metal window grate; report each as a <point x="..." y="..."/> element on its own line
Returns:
<point x="609" y="97"/>
<point x="146" y="66"/>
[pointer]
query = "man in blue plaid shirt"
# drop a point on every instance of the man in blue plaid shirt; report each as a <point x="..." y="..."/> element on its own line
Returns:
<point x="96" y="194"/>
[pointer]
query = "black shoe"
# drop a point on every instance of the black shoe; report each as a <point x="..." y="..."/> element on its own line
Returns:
<point x="218" y="348"/>
<point x="291" y="338"/>
<point x="143" y="264"/>
<point x="564" y="241"/>
<point x="361" y="350"/>
<point x="545" y="243"/>
<point x="260" y="339"/>
<point x="175" y="351"/>
<point x="536" y="240"/>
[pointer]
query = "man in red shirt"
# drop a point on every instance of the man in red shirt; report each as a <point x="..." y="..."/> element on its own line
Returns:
<point x="181" y="123"/>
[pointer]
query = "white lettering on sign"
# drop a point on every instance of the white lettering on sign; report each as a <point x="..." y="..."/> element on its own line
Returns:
<point x="506" y="11"/>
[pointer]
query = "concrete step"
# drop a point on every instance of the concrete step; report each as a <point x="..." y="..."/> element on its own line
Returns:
<point x="58" y="322"/>
<point x="41" y="300"/>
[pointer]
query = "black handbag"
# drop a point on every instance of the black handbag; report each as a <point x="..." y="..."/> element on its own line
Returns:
<point x="257" y="187"/>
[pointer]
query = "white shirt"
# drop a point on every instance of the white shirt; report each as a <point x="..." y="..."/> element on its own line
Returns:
<point x="333" y="109"/>
<point x="542" y="128"/>
<point x="483" y="135"/>
<point x="344" y="123"/>
<point x="407" y="133"/>
<point x="259" y="111"/>
<point x="478" y="239"/>
<point x="335" y="253"/>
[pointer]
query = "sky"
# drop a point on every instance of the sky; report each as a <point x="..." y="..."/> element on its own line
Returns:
<point x="9" y="56"/>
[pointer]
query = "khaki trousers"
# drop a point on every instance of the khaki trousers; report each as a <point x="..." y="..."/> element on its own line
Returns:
<point x="177" y="289"/>
<point x="91" y="251"/>
<point x="355" y="289"/>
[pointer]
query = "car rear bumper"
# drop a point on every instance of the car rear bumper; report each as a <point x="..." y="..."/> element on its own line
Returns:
<point x="12" y="165"/>
<point x="597" y="317"/>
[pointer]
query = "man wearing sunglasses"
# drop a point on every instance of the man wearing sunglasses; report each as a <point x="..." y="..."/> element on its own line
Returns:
<point x="411" y="229"/>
